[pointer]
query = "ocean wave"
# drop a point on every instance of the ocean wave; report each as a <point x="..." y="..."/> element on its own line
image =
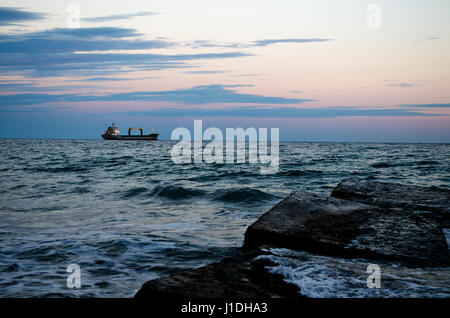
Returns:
<point x="70" y="168"/>
<point x="242" y="195"/>
<point x="176" y="192"/>
<point x="223" y="175"/>
<point x="332" y="277"/>
<point x="297" y="173"/>
<point x="134" y="192"/>
<point x="104" y="271"/>
<point x="427" y="162"/>
<point x="114" y="247"/>
<point x="390" y="164"/>
<point x="11" y="268"/>
<point x="45" y="254"/>
<point x="80" y="190"/>
<point x="19" y="186"/>
<point x="394" y="164"/>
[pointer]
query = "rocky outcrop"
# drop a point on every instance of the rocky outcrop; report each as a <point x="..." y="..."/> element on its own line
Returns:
<point x="332" y="226"/>
<point x="236" y="277"/>
<point x="428" y="201"/>
<point x="378" y="221"/>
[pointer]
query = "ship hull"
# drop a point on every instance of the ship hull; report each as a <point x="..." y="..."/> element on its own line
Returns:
<point x="147" y="137"/>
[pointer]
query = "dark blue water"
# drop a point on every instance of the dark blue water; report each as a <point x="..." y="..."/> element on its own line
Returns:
<point x="125" y="213"/>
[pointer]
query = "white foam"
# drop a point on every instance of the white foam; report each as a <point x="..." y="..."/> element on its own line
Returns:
<point x="330" y="277"/>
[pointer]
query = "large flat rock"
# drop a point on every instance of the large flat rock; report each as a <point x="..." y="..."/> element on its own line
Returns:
<point x="238" y="277"/>
<point x="333" y="226"/>
<point x="420" y="200"/>
<point x="389" y="223"/>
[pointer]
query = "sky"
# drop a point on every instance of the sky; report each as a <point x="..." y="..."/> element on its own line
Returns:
<point x="350" y="70"/>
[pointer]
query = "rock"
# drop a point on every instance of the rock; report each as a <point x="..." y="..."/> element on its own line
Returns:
<point x="235" y="277"/>
<point x="333" y="226"/>
<point x="430" y="201"/>
<point x="362" y="219"/>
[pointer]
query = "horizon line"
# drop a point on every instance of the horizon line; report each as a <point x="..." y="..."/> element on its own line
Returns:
<point x="298" y="141"/>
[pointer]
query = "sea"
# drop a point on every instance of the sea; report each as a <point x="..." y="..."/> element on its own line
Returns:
<point x="125" y="213"/>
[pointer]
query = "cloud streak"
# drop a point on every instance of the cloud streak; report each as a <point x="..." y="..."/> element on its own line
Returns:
<point x="204" y="72"/>
<point x="257" y="43"/>
<point x="10" y="16"/>
<point x="72" y="64"/>
<point x="56" y="52"/>
<point x="191" y="96"/>
<point x="422" y="106"/>
<point x="403" y="85"/>
<point x="115" y="17"/>
<point x="32" y="87"/>
<point x="75" y="40"/>
<point x="277" y="41"/>
<point x="283" y="112"/>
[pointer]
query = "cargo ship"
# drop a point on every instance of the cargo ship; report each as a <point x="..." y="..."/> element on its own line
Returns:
<point x="113" y="133"/>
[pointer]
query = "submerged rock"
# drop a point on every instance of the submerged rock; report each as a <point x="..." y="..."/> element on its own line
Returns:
<point x="430" y="201"/>
<point x="236" y="277"/>
<point x="332" y="226"/>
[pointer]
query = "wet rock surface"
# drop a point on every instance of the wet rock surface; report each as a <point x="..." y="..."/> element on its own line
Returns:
<point x="429" y="201"/>
<point x="380" y="222"/>
<point x="236" y="277"/>
<point x="332" y="226"/>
